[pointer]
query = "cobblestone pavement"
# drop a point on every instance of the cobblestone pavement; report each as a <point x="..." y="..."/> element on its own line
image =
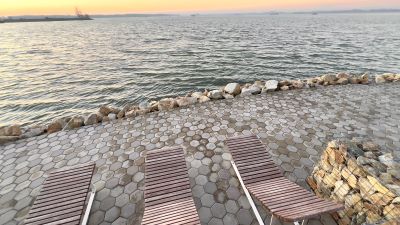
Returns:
<point x="294" y="125"/>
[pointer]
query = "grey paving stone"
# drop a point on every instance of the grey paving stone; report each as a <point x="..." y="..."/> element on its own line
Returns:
<point x="122" y="200"/>
<point x="112" y="214"/>
<point x="210" y="187"/>
<point x="218" y="210"/>
<point x="230" y="219"/>
<point x="128" y="210"/>
<point x="205" y="214"/>
<point x="207" y="200"/>
<point x="198" y="191"/>
<point x="216" y="221"/>
<point x="107" y="203"/>
<point x="244" y="217"/>
<point x="233" y="193"/>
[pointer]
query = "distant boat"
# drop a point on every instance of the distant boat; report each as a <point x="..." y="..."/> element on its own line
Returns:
<point x="79" y="16"/>
<point x="314" y="13"/>
<point x="274" y="13"/>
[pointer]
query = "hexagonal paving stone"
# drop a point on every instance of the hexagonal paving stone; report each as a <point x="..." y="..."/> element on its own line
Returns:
<point x="218" y="210"/>
<point x="205" y="214"/>
<point x="201" y="180"/>
<point x="107" y="203"/>
<point x="210" y="187"/>
<point x="112" y="214"/>
<point x="244" y="217"/>
<point x="230" y="219"/>
<point x="128" y="210"/>
<point x="207" y="200"/>
<point x="233" y="193"/>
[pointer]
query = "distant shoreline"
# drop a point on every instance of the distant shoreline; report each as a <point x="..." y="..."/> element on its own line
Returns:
<point x="46" y="19"/>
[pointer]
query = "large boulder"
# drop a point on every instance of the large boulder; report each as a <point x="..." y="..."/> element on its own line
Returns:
<point x="298" y="84"/>
<point x="250" y="90"/>
<point x="56" y="125"/>
<point x="121" y="114"/>
<point x="228" y="96"/>
<point x="131" y="113"/>
<point x="232" y="88"/>
<point x="271" y="85"/>
<point x="92" y="119"/>
<point x="112" y="116"/>
<point x="386" y="77"/>
<point x="75" y="122"/>
<point x="328" y="78"/>
<point x="14" y="130"/>
<point x="184" y="101"/>
<point x="342" y="81"/>
<point x="284" y="88"/>
<point x="259" y="84"/>
<point x="215" y="94"/>
<point x="342" y="75"/>
<point x="153" y="106"/>
<point x="5" y="139"/>
<point x="197" y="94"/>
<point x="380" y="79"/>
<point x="167" y="103"/>
<point x="364" y="79"/>
<point x="34" y="131"/>
<point x="204" y="99"/>
<point x="105" y="110"/>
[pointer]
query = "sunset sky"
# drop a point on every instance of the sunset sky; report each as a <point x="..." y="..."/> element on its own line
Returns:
<point x="42" y="7"/>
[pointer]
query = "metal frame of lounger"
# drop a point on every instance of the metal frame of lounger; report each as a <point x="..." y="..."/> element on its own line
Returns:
<point x="250" y="199"/>
<point x="168" y="196"/>
<point x="247" y="193"/>
<point x="66" y="197"/>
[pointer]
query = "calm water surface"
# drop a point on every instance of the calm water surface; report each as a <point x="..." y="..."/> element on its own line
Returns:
<point x="55" y="69"/>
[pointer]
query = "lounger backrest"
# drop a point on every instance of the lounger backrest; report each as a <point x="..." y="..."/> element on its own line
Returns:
<point x="63" y="196"/>
<point x="253" y="161"/>
<point x="166" y="177"/>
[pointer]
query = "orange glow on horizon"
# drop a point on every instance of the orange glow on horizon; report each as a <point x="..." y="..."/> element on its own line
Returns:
<point x="42" y="7"/>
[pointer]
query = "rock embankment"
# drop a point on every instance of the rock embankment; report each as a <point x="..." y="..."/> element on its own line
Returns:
<point x="231" y="90"/>
<point x="363" y="178"/>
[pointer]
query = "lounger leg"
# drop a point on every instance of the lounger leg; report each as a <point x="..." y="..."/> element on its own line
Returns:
<point x="253" y="206"/>
<point x="89" y="205"/>
<point x="272" y="219"/>
<point x="302" y="223"/>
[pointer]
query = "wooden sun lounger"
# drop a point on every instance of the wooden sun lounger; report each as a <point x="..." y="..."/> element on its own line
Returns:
<point x="63" y="197"/>
<point x="168" y="197"/>
<point x="260" y="176"/>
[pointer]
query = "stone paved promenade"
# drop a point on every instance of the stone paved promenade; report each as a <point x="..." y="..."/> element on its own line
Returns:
<point x="294" y="125"/>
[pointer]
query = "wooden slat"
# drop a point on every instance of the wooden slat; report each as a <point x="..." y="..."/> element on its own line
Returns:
<point x="177" y="212"/>
<point x="168" y="197"/>
<point x="63" y="197"/>
<point x="264" y="180"/>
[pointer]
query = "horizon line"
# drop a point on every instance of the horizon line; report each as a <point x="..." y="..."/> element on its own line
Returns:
<point x="359" y="10"/>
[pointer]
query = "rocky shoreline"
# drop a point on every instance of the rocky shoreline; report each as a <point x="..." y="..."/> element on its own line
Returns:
<point x="231" y="90"/>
